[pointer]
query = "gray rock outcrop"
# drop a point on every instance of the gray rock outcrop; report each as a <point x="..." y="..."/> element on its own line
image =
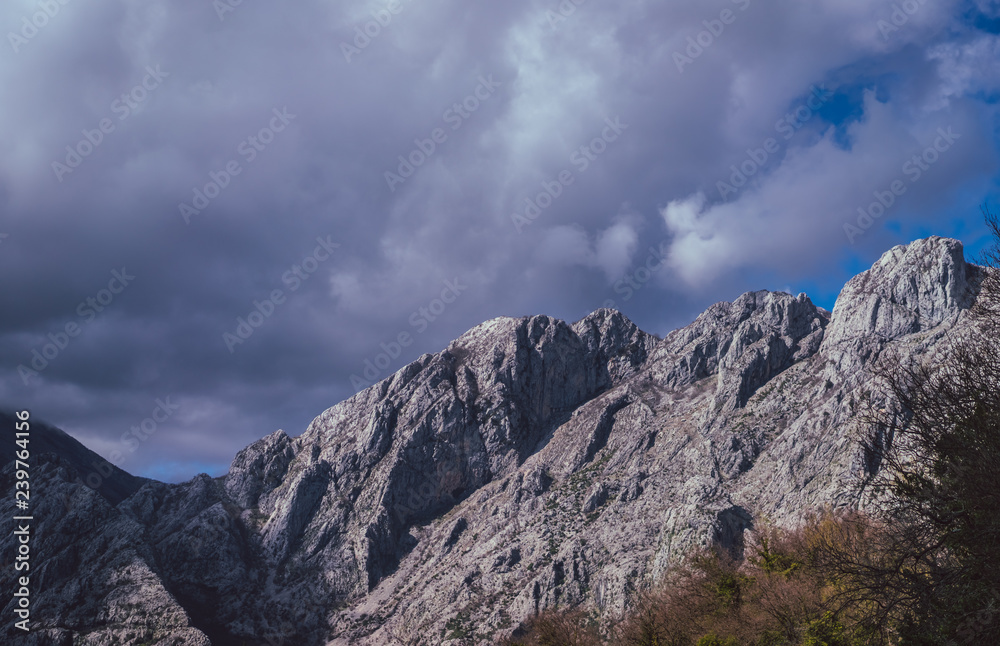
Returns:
<point x="531" y="463"/>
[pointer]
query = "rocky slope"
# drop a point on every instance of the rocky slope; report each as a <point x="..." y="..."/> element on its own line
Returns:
<point x="529" y="464"/>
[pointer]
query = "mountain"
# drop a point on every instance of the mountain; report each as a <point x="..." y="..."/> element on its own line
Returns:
<point x="53" y="447"/>
<point x="530" y="463"/>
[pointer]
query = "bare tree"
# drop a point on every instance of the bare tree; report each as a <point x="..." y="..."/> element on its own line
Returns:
<point x="933" y="437"/>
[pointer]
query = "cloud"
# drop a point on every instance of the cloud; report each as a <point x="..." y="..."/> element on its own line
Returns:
<point x="788" y="213"/>
<point x="610" y="249"/>
<point x="414" y="81"/>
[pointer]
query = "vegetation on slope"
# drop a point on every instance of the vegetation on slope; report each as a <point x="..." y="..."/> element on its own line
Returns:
<point x="923" y="568"/>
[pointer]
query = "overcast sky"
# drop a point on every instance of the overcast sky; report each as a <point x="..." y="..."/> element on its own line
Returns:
<point x="214" y="214"/>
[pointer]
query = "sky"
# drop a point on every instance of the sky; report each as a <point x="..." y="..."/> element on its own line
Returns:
<point x="220" y="218"/>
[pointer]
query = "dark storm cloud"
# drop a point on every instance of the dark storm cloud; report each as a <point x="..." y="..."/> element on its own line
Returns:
<point x="549" y="150"/>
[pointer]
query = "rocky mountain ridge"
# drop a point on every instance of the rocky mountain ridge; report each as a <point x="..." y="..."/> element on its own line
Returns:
<point x="529" y="464"/>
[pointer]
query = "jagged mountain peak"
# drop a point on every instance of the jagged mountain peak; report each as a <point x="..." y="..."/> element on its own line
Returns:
<point x="605" y="318"/>
<point x="910" y="288"/>
<point x="744" y="343"/>
<point x="530" y="463"/>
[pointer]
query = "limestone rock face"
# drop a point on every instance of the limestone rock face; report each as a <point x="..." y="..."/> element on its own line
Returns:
<point x="259" y="469"/>
<point x="911" y="288"/>
<point x="743" y="343"/>
<point x="528" y="464"/>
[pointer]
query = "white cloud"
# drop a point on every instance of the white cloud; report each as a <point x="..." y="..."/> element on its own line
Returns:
<point x="969" y="67"/>
<point x="615" y="247"/>
<point x="794" y="216"/>
<point x="610" y="249"/>
<point x="989" y="8"/>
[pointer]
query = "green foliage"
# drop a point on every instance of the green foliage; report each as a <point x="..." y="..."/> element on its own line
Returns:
<point x="458" y="628"/>
<point x="729" y="589"/>
<point x="826" y="631"/>
<point x="774" y="561"/>
<point x="922" y="570"/>
<point x="777" y="597"/>
<point x="771" y="638"/>
<point x="559" y="628"/>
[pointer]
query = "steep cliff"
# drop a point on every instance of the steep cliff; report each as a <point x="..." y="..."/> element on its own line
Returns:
<point x="530" y="463"/>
